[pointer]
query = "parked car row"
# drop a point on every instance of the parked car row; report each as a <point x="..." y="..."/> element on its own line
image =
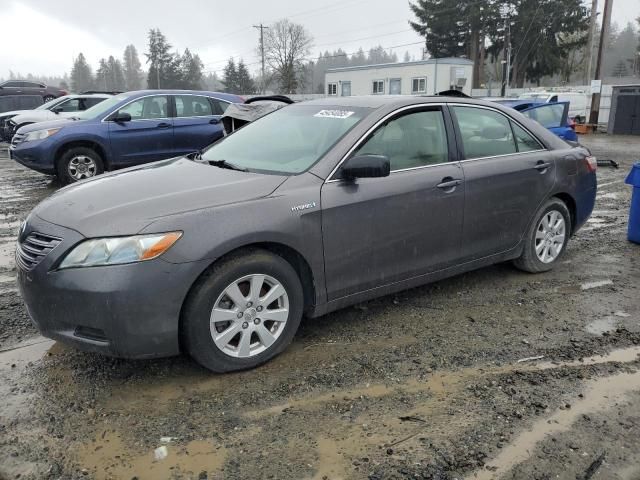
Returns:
<point x="124" y="130"/>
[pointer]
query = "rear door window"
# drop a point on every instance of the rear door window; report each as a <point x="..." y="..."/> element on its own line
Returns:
<point x="193" y="106"/>
<point x="219" y="106"/>
<point x="525" y="142"/>
<point x="485" y="133"/>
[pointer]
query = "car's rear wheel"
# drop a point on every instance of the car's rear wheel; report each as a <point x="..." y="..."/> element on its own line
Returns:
<point x="243" y="311"/>
<point x="79" y="163"/>
<point x="547" y="238"/>
<point x="48" y="98"/>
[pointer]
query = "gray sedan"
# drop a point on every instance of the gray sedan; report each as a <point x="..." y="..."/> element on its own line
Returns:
<point x="312" y="208"/>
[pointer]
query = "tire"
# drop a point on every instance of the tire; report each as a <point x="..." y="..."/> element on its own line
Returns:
<point x="48" y="98"/>
<point x="538" y="238"/>
<point x="230" y="352"/>
<point x="87" y="161"/>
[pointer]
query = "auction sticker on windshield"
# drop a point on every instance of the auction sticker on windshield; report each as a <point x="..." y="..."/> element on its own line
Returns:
<point x="334" y="114"/>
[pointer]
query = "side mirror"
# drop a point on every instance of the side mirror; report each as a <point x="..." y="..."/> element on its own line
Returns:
<point x="121" y="117"/>
<point x="366" y="166"/>
<point x="58" y="110"/>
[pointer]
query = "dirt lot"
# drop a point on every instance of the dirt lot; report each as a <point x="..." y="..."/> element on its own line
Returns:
<point x="424" y="384"/>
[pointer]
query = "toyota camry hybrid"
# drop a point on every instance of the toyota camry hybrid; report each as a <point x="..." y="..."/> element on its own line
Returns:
<point x="314" y="207"/>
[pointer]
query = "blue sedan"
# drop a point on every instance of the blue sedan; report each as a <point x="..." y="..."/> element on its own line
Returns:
<point x="128" y="129"/>
<point x="554" y="116"/>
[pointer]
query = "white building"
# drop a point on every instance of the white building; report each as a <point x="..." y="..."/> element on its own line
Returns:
<point x="423" y="77"/>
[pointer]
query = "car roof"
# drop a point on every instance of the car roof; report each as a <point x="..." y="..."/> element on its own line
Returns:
<point x="378" y="101"/>
<point x="224" y="96"/>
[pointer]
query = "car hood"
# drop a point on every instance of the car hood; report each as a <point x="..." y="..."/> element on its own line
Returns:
<point x="13" y="113"/>
<point x="35" y="116"/>
<point x="46" y="125"/>
<point x="124" y="202"/>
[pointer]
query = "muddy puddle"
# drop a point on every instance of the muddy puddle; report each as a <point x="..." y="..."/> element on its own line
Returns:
<point x="111" y="458"/>
<point x="600" y="394"/>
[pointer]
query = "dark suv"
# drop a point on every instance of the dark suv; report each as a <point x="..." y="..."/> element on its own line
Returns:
<point x="25" y="87"/>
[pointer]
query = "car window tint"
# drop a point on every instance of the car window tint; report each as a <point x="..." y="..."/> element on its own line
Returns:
<point x="147" y="108"/>
<point x="413" y="140"/>
<point x="526" y="143"/>
<point x="90" y="102"/>
<point x="549" y="116"/>
<point x="219" y="106"/>
<point x="71" y="105"/>
<point x="11" y="84"/>
<point x="192" y="106"/>
<point x="484" y="133"/>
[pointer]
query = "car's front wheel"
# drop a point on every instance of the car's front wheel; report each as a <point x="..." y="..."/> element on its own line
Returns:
<point x="547" y="237"/>
<point x="78" y="163"/>
<point x="243" y="311"/>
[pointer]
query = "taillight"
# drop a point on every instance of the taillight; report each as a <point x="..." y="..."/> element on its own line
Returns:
<point x="592" y="163"/>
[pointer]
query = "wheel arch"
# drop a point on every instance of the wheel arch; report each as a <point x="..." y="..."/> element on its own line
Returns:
<point x="570" y="202"/>
<point x="288" y="253"/>
<point x="99" y="149"/>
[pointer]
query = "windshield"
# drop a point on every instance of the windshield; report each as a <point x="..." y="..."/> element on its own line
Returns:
<point x="289" y="140"/>
<point x="52" y="103"/>
<point x="100" y="108"/>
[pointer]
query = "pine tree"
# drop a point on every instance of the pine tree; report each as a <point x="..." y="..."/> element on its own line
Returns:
<point x="191" y="68"/>
<point x="162" y="63"/>
<point x="131" y="67"/>
<point x="102" y="75"/>
<point x="245" y="83"/>
<point x="116" y="75"/>
<point x="230" y="78"/>
<point x="81" y="75"/>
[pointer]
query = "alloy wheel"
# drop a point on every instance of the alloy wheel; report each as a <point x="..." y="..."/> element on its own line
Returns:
<point x="249" y="315"/>
<point x="550" y="236"/>
<point x="81" y="167"/>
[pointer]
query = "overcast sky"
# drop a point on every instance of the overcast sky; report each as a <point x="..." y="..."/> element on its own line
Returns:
<point x="43" y="36"/>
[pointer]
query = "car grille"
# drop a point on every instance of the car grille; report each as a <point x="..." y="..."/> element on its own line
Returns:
<point x="17" y="138"/>
<point x="32" y="250"/>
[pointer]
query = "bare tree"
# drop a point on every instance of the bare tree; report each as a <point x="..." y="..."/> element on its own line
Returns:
<point x="286" y="47"/>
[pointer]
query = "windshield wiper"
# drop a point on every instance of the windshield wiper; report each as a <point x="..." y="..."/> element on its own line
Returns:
<point x="225" y="164"/>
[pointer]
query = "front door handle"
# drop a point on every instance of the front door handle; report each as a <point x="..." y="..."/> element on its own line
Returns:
<point x="542" y="166"/>
<point x="449" y="183"/>
<point x="164" y="125"/>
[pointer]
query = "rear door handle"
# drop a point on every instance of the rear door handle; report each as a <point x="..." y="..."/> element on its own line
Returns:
<point x="449" y="183"/>
<point x="164" y="125"/>
<point x="540" y="166"/>
<point x="214" y="121"/>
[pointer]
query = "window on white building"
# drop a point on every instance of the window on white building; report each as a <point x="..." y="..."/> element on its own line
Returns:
<point x="419" y="85"/>
<point x="378" y="87"/>
<point x="332" y="89"/>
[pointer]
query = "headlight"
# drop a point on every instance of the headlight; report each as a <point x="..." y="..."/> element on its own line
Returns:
<point x="119" y="250"/>
<point x="39" y="134"/>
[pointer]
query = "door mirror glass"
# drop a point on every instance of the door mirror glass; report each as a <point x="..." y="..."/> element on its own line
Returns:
<point x="366" y="166"/>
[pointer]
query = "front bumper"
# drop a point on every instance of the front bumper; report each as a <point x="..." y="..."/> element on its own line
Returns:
<point x="129" y="311"/>
<point x="34" y="155"/>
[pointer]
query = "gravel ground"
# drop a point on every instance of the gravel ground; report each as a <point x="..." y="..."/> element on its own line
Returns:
<point x="423" y="384"/>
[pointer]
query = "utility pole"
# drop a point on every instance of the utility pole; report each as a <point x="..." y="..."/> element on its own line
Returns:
<point x="592" y="33"/>
<point x="604" y="34"/>
<point x="158" y="75"/>
<point x="506" y="54"/>
<point x="261" y="28"/>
